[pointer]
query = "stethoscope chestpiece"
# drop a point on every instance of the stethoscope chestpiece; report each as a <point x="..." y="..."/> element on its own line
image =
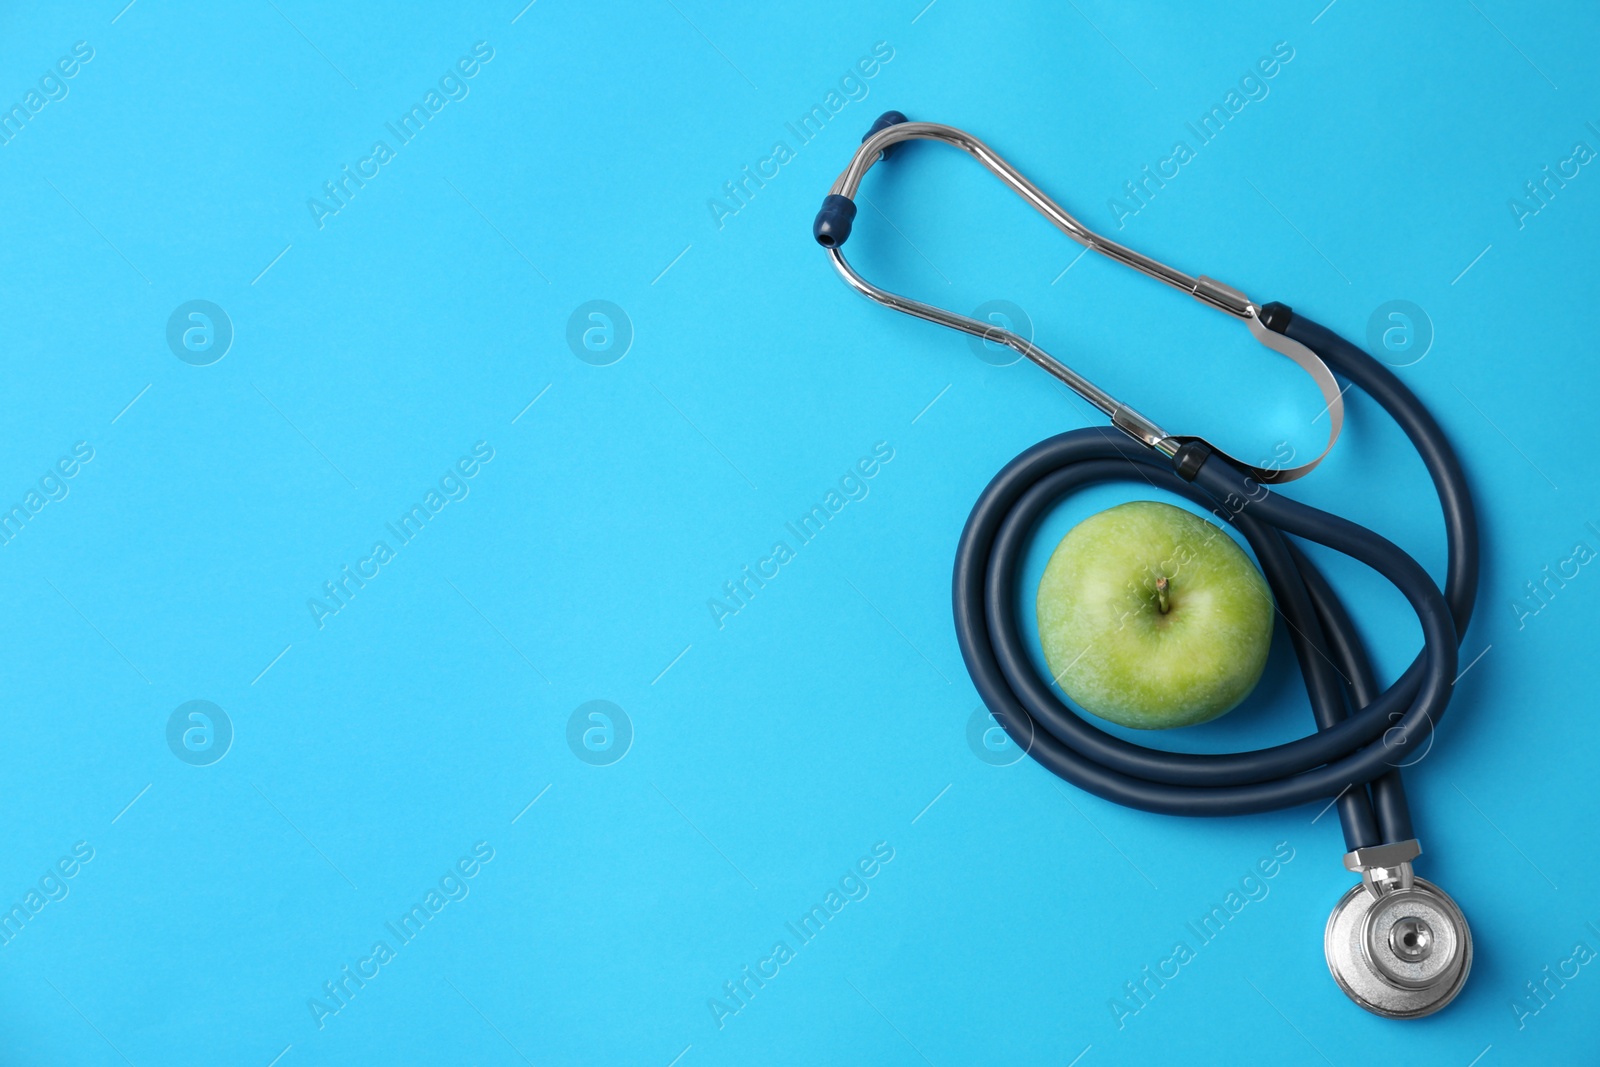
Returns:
<point x="1397" y="944"/>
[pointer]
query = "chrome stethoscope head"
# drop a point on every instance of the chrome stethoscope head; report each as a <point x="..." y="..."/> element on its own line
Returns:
<point x="832" y="229"/>
<point x="1397" y="944"/>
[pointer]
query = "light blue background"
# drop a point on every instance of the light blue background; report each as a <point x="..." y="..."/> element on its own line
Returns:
<point x="831" y="712"/>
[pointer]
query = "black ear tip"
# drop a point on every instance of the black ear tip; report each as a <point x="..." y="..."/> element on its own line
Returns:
<point x="833" y="222"/>
<point x="884" y="121"/>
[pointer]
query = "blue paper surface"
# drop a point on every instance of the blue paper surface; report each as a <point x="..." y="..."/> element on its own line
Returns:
<point x="394" y="393"/>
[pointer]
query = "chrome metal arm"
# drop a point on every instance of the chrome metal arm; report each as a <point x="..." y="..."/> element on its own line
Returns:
<point x="833" y="228"/>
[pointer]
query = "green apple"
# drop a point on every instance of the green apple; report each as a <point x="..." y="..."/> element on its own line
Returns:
<point x="1151" y="617"/>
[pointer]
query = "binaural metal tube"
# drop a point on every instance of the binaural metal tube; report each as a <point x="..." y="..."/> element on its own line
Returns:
<point x="832" y="229"/>
<point x="1206" y="290"/>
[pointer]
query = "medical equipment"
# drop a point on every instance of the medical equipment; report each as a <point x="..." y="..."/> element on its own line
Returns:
<point x="1396" y="944"/>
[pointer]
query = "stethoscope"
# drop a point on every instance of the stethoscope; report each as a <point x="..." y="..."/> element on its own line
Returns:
<point x="1396" y="944"/>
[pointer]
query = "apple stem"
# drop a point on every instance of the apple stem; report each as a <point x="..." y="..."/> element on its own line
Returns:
<point x="1161" y="595"/>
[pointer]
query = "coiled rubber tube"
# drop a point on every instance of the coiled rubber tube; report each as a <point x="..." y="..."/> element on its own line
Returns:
<point x="1364" y="734"/>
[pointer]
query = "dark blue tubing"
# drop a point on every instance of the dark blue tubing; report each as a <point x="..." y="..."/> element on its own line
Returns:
<point x="1363" y="734"/>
